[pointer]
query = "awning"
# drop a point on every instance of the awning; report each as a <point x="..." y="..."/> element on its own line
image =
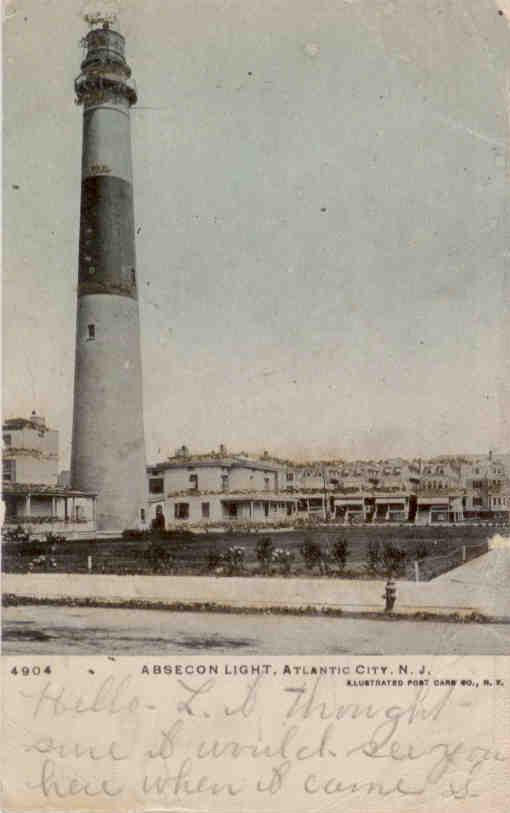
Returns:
<point x="348" y="501"/>
<point x="261" y="497"/>
<point x="390" y="501"/>
<point x="435" y="501"/>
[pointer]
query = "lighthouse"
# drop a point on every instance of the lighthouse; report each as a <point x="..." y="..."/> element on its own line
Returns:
<point x="108" y="448"/>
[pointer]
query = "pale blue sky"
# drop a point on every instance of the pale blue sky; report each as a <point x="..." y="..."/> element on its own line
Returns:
<point x="320" y="188"/>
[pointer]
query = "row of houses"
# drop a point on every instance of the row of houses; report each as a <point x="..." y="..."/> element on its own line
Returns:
<point x="220" y="488"/>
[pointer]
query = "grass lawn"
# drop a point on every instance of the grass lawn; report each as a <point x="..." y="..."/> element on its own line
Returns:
<point x="440" y="550"/>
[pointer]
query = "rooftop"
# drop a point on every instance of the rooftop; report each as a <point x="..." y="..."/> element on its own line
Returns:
<point x="34" y="422"/>
<point x="211" y="459"/>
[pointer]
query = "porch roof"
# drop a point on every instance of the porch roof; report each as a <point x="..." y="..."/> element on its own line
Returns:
<point x="349" y="501"/>
<point x="257" y="497"/>
<point x="390" y="500"/>
<point x="38" y="490"/>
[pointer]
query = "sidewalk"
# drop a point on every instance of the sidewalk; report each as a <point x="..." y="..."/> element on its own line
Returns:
<point x="484" y="581"/>
<point x="480" y="586"/>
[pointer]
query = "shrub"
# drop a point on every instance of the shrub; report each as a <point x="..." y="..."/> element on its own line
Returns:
<point x="234" y="559"/>
<point x="311" y="552"/>
<point x="283" y="560"/>
<point x="34" y="548"/>
<point x="160" y="557"/>
<point x="264" y="551"/>
<point x="373" y="556"/>
<point x="53" y="538"/>
<point x="421" y="551"/>
<point x="173" y="534"/>
<point x="17" y="534"/>
<point x="393" y="558"/>
<point x="340" y="552"/>
<point x="214" y="559"/>
<point x="135" y="533"/>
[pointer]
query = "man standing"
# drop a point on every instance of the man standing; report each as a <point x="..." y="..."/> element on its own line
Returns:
<point x="159" y="523"/>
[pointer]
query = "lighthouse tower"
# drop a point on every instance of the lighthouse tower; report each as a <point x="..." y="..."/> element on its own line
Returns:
<point x="108" y="449"/>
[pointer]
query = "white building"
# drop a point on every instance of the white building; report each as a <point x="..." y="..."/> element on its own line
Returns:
<point x="31" y="492"/>
<point x="30" y="451"/>
<point x="216" y="488"/>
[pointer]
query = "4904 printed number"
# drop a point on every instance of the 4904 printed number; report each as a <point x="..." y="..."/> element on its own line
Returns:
<point x="26" y="671"/>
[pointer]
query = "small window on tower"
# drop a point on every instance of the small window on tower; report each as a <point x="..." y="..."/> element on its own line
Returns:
<point x="92" y="269"/>
<point x="133" y="277"/>
<point x="91" y="332"/>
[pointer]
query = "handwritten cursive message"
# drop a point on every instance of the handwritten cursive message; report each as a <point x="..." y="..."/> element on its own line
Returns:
<point x="118" y="736"/>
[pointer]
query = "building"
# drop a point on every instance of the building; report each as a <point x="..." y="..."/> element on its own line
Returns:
<point x="30" y="451"/>
<point x="499" y="503"/>
<point x="216" y="488"/>
<point x="221" y="488"/>
<point x="441" y="473"/>
<point x="31" y="492"/>
<point x="376" y="507"/>
<point x="108" y="447"/>
<point x="467" y="488"/>
<point x="440" y="505"/>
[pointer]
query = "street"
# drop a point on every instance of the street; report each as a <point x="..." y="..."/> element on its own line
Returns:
<point x="47" y="630"/>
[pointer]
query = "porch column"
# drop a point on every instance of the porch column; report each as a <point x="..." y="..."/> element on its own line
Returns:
<point x="66" y="512"/>
<point x="53" y="507"/>
<point x="73" y="509"/>
<point x="251" y="509"/>
<point x="28" y="505"/>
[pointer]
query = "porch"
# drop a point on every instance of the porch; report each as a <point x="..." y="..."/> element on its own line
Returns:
<point x="44" y="509"/>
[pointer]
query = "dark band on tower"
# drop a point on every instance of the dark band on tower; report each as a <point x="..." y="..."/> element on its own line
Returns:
<point x="107" y="238"/>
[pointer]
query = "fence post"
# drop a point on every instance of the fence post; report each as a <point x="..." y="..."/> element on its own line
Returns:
<point x="89" y="564"/>
<point x="417" y="571"/>
<point x="464" y="553"/>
